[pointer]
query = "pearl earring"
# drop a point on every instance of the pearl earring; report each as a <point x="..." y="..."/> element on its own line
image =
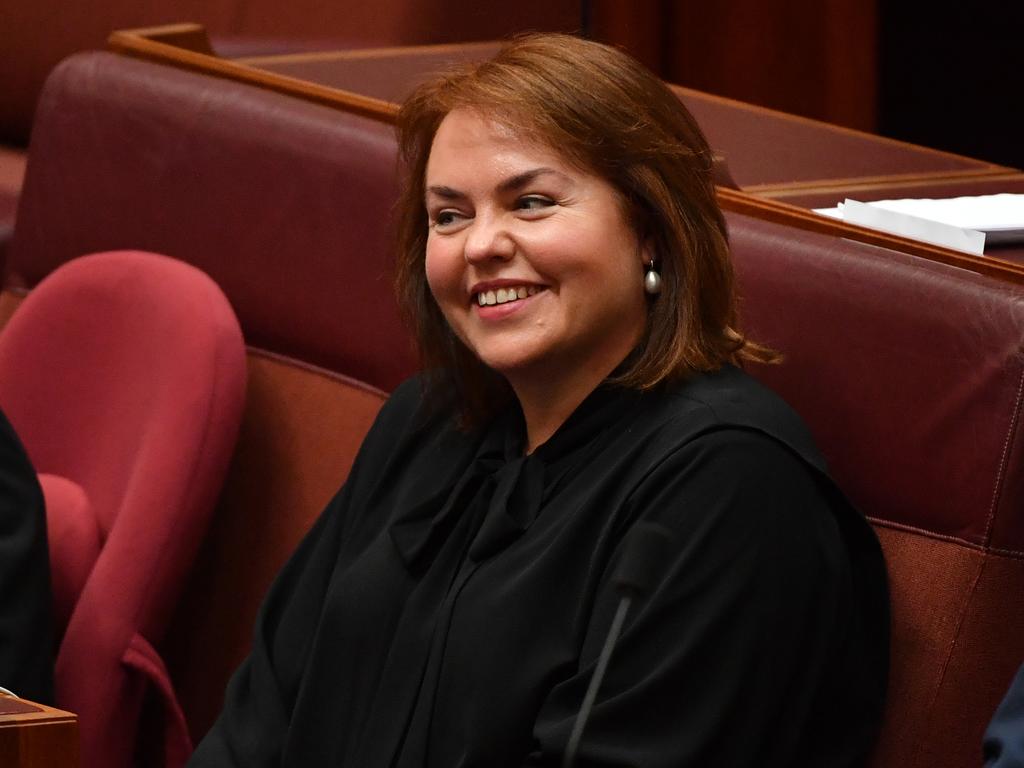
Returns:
<point x="652" y="280"/>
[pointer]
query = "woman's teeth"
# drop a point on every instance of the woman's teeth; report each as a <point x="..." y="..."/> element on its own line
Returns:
<point x="505" y="295"/>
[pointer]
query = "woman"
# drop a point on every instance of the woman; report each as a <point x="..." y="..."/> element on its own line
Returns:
<point x="565" y="269"/>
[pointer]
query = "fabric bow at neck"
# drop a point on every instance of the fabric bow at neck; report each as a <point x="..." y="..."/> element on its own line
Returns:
<point x="501" y="495"/>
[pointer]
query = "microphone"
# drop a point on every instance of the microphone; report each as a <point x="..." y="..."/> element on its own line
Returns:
<point x="644" y="558"/>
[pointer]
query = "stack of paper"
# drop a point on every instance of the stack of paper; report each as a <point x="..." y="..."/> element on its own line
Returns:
<point x="962" y="223"/>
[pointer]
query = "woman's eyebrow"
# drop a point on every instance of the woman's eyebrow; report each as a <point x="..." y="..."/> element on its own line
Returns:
<point x="444" y="192"/>
<point x="511" y="184"/>
<point x="520" y="180"/>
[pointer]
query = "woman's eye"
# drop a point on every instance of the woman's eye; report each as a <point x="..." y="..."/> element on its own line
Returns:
<point x="445" y="219"/>
<point x="534" y="203"/>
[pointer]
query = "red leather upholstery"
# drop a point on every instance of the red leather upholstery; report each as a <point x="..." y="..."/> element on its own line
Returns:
<point x="284" y="204"/>
<point x="910" y="375"/>
<point x="124" y="373"/>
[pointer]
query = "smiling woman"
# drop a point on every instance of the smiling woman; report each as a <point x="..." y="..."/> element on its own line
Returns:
<point x="509" y="217"/>
<point x="565" y="268"/>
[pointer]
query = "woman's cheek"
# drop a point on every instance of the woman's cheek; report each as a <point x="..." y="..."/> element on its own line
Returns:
<point x="444" y="275"/>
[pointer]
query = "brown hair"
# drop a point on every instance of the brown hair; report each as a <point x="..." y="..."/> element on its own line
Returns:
<point x="607" y="114"/>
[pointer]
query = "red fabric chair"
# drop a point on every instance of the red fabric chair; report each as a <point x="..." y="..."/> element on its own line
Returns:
<point x="124" y="373"/>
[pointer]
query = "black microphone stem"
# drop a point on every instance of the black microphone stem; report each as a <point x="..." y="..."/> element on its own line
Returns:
<point x="595" y="681"/>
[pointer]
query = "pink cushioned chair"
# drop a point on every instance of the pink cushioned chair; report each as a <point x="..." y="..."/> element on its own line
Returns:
<point x="124" y="373"/>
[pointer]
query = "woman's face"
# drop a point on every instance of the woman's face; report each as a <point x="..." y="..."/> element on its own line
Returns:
<point x="531" y="260"/>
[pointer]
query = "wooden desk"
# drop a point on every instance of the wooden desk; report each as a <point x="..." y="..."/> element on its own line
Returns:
<point x="763" y="148"/>
<point x="36" y="736"/>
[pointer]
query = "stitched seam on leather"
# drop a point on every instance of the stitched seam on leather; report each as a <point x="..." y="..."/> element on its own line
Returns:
<point x="925" y="532"/>
<point x="949" y="652"/>
<point x="1001" y="475"/>
<point x="302" y="365"/>
<point x="1016" y="554"/>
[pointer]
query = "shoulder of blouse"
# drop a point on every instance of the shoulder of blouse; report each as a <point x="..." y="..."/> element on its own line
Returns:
<point x="727" y="398"/>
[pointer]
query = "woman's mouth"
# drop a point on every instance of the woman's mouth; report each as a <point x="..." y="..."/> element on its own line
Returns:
<point x="505" y="295"/>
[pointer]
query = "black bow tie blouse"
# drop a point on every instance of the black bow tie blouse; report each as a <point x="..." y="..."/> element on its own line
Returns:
<point x="448" y="608"/>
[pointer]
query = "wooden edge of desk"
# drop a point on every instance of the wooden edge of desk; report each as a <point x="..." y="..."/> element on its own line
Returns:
<point x="485" y="46"/>
<point x="33" y="714"/>
<point x="804" y="219"/>
<point x="158" y="44"/>
<point x="871" y="184"/>
<point x="42" y="737"/>
<point x="814" y="186"/>
<point x="144" y="43"/>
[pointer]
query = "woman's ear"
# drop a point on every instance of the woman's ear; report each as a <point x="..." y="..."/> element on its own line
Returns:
<point x="648" y="253"/>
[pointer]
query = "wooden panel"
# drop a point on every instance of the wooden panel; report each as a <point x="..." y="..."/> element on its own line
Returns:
<point x="769" y="149"/>
<point x="388" y="74"/>
<point x="36" y="736"/>
<point x="143" y="44"/>
<point x="762" y="147"/>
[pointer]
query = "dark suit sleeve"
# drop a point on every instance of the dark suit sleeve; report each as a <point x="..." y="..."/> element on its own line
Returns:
<point x="724" y="663"/>
<point x="1004" y="739"/>
<point x="26" y="648"/>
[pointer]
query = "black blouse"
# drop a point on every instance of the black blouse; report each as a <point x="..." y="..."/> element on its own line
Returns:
<point x="449" y="606"/>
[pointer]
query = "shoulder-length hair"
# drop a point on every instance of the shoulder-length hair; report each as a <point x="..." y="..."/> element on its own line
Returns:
<point x="608" y="115"/>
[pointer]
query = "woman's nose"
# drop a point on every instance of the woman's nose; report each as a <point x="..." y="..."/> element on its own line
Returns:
<point x="488" y="238"/>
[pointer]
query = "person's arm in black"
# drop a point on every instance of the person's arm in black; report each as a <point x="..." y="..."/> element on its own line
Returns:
<point x="26" y="604"/>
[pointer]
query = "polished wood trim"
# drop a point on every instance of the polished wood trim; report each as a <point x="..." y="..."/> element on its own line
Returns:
<point x="371" y="53"/>
<point x="802" y="218"/>
<point x="873" y="184"/>
<point x="187" y="35"/>
<point x="135" y="43"/>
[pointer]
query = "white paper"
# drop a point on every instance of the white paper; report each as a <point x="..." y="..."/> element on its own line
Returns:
<point x="879" y="217"/>
<point x="986" y="213"/>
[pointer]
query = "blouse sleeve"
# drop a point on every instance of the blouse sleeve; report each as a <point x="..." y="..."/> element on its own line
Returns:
<point x="721" y="664"/>
<point x="253" y="724"/>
